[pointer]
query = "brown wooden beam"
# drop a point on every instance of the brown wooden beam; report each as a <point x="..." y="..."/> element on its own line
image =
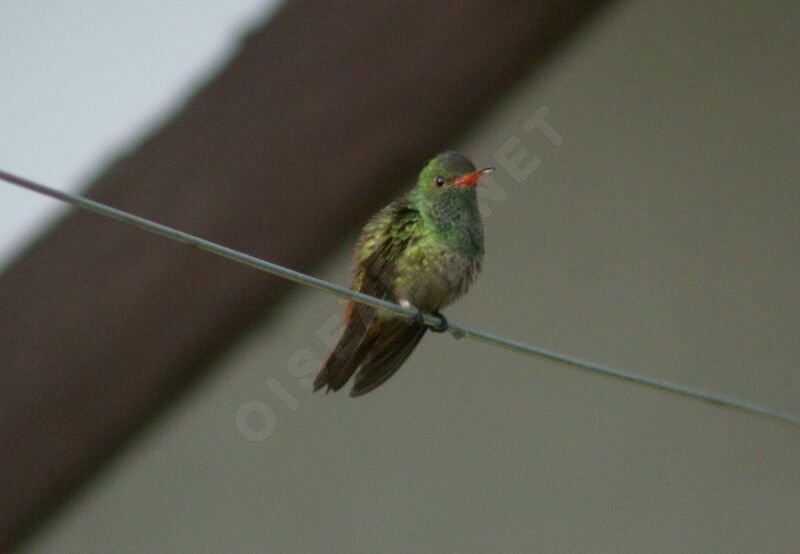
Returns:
<point x="322" y="114"/>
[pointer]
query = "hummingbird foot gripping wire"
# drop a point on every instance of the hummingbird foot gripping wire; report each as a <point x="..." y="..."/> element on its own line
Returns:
<point x="441" y="327"/>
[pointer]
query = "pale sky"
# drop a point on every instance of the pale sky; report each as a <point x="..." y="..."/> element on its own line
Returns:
<point x="82" y="79"/>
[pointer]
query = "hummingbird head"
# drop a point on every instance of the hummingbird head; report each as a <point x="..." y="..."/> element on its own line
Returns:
<point x="447" y="174"/>
<point x="447" y="198"/>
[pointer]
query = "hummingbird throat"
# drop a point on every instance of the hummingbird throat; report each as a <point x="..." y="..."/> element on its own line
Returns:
<point x="453" y="218"/>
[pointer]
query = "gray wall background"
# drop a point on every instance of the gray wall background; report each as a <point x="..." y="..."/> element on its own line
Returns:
<point x="660" y="235"/>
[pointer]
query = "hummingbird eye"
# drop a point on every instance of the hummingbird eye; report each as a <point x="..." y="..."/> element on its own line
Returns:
<point x="439" y="180"/>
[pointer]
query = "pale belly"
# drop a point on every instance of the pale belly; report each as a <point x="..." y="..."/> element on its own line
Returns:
<point x="431" y="283"/>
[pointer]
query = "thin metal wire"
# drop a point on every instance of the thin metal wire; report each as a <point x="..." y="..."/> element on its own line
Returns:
<point x="457" y="329"/>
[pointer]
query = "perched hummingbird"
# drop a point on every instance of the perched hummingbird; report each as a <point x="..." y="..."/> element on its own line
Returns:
<point x="423" y="251"/>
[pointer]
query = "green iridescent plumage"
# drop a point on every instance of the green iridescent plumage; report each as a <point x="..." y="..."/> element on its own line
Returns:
<point x="423" y="250"/>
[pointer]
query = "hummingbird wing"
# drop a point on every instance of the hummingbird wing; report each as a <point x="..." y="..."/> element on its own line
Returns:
<point x="378" y="341"/>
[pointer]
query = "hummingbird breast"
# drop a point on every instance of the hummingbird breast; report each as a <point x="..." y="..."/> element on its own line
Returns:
<point x="432" y="278"/>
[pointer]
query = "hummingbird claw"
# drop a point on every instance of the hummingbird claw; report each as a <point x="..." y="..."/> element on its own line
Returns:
<point x="442" y="326"/>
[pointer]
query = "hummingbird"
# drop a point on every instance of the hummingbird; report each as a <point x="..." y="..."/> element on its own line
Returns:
<point x="421" y="251"/>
